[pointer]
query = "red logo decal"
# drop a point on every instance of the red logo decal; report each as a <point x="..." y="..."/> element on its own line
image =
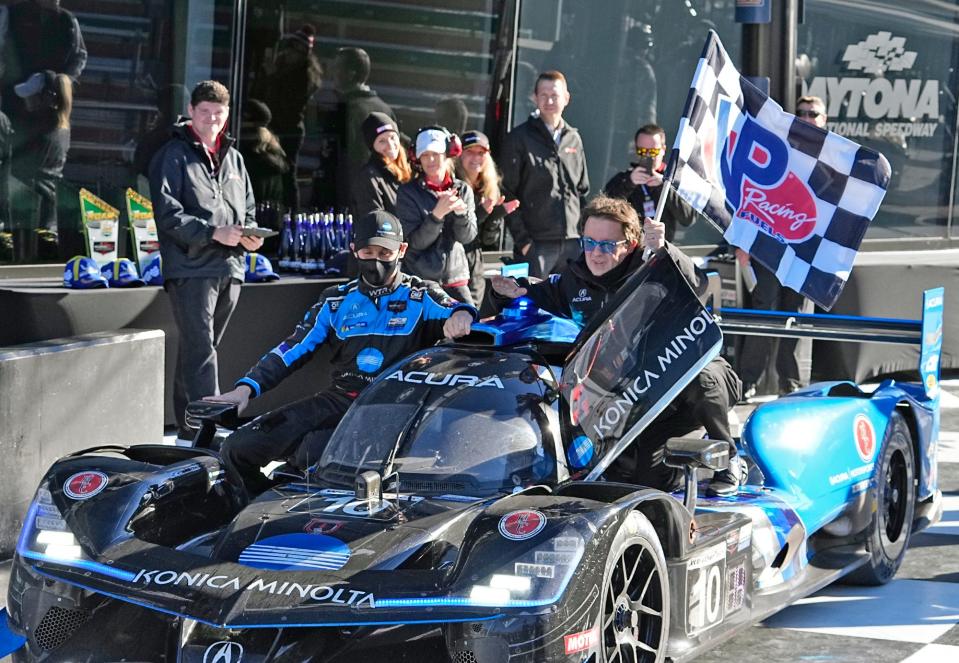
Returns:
<point x="320" y="526"/>
<point x="787" y="211"/>
<point x="520" y="525"/>
<point x="865" y="437"/>
<point x="577" y="642"/>
<point x="84" y="485"/>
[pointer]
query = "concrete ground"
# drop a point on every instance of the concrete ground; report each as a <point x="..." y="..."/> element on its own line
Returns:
<point x="913" y="619"/>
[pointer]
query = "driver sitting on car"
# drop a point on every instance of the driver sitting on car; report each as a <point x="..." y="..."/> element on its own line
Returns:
<point x="368" y="324"/>
<point x="613" y="242"/>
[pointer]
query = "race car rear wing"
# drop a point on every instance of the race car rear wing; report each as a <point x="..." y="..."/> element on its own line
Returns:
<point x="925" y="332"/>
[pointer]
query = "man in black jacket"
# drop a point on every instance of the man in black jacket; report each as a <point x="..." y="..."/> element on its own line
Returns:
<point x="544" y="167"/>
<point x="202" y="198"/>
<point x="355" y="101"/>
<point x="368" y="324"/>
<point x="613" y="249"/>
<point x="642" y="184"/>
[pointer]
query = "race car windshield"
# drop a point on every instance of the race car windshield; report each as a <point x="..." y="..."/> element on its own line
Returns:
<point x="456" y="436"/>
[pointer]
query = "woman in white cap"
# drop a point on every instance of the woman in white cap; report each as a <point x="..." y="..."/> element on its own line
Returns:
<point x="475" y="166"/>
<point x="387" y="168"/>
<point x="438" y="215"/>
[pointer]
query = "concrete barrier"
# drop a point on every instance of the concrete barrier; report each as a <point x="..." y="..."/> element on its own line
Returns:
<point x="63" y="395"/>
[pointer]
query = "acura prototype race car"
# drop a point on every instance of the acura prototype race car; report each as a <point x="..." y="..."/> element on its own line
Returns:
<point x="461" y="500"/>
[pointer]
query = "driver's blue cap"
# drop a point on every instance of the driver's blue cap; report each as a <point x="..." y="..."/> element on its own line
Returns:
<point x="122" y="273"/>
<point x="259" y="269"/>
<point x="82" y="272"/>
<point x="151" y="269"/>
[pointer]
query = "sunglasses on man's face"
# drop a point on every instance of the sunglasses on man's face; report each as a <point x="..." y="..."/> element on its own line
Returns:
<point x="604" y="246"/>
<point x="808" y="113"/>
<point x="649" y="151"/>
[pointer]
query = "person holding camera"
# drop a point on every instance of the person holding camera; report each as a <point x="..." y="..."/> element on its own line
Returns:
<point x="642" y="184"/>
<point x="438" y="214"/>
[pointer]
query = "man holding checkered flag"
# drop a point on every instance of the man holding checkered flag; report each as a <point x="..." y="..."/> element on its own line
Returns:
<point x="796" y="197"/>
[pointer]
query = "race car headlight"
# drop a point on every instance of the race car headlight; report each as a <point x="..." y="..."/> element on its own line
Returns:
<point x="536" y="578"/>
<point x="46" y="537"/>
<point x="45" y="533"/>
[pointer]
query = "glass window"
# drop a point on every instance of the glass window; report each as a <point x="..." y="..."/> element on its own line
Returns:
<point x="444" y="423"/>
<point x="317" y="68"/>
<point x="118" y="71"/>
<point x="627" y="65"/>
<point x="887" y="72"/>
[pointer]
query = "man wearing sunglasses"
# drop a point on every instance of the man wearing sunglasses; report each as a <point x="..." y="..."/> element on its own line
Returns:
<point x="614" y="244"/>
<point x="641" y="184"/>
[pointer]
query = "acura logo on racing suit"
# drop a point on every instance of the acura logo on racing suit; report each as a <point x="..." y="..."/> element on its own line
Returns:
<point x="223" y="652"/>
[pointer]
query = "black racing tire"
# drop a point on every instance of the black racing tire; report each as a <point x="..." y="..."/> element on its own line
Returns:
<point x="634" y="605"/>
<point x="894" y="487"/>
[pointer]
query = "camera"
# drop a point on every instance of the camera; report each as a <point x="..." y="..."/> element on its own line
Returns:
<point x="646" y="163"/>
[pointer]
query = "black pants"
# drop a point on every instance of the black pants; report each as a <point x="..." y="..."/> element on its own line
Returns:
<point x="291" y="140"/>
<point x="300" y="429"/>
<point x="703" y="404"/>
<point x="38" y="160"/>
<point x="770" y="295"/>
<point x="477" y="286"/>
<point x="546" y="257"/>
<point x="201" y="309"/>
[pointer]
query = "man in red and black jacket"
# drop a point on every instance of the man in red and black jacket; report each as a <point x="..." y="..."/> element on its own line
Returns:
<point x="642" y="184"/>
<point x="202" y="199"/>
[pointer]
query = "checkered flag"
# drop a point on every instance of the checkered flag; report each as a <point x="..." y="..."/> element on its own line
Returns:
<point x="798" y="198"/>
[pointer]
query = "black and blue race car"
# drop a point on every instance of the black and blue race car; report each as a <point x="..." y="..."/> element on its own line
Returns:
<point x="461" y="503"/>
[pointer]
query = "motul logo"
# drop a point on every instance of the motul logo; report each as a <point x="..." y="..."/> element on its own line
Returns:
<point x="578" y="642"/>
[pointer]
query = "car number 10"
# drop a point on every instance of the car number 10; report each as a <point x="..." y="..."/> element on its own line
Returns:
<point x="704" y="588"/>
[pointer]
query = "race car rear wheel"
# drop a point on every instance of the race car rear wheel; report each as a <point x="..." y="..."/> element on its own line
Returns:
<point x="634" y="622"/>
<point x="895" y="494"/>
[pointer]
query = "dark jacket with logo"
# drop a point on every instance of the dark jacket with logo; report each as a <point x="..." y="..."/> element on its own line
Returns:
<point x="190" y="201"/>
<point x="550" y="181"/>
<point x="576" y="294"/>
<point x="374" y="189"/>
<point x="436" y="246"/>
<point x="366" y="328"/>
<point x="676" y="211"/>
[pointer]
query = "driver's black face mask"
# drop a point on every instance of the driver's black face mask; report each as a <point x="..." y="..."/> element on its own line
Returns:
<point x="375" y="272"/>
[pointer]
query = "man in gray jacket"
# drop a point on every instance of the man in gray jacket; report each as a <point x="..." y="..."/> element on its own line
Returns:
<point x="203" y="199"/>
<point x="544" y="167"/>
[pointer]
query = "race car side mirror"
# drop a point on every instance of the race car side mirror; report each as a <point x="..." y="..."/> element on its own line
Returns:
<point x="205" y="416"/>
<point x="369" y="487"/>
<point x="691" y="454"/>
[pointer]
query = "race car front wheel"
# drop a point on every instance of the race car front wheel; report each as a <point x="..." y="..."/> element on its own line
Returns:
<point x="635" y="608"/>
<point x="895" y="495"/>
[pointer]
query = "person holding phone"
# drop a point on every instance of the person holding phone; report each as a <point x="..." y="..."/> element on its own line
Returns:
<point x="203" y="201"/>
<point x="642" y="183"/>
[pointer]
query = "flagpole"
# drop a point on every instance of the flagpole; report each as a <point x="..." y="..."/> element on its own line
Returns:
<point x="667" y="189"/>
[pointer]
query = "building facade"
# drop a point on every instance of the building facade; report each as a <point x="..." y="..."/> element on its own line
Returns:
<point x="888" y="74"/>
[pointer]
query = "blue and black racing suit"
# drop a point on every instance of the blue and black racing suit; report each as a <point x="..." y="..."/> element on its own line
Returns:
<point x="366" y="330"/>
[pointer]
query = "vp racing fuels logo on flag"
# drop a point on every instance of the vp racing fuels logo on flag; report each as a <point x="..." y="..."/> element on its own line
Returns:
<point x="753" y="166"/>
